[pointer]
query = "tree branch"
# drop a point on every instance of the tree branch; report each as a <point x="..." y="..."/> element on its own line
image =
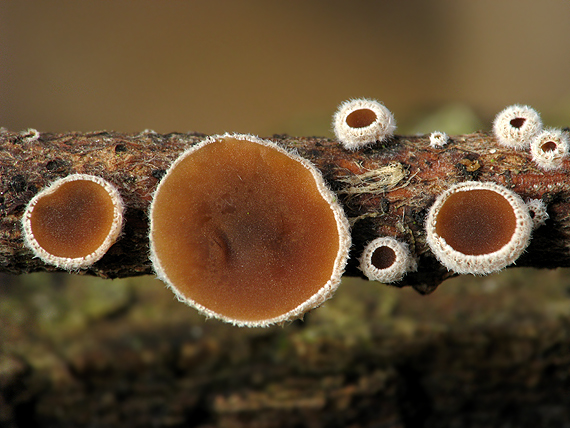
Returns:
<point x="385" y="190"/>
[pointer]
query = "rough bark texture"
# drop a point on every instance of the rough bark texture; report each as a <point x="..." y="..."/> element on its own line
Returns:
<point x="385" y="189"/>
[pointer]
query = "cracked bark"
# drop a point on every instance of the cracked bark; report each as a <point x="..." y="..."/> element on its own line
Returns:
<point x="385" y="189"/>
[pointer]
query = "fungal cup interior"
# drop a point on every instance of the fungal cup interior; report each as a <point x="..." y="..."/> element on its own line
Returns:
<point x="476" y="222"/>
<point x="361" y="118"/>
<point x="74" y="220"/>
<point x="242" y="229"/>
<point x="383" y="257"/>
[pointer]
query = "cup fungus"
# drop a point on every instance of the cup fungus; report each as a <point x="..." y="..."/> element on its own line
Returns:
<point x="549" y="148"/>
<point x="30" y="135"/>
<point x="537" y="211"/>
<point x="438" y="139"/>
<point x="72" y="223"/>
<point x="516" y="126"/>
<point x="360" y="122"/>
<point x="247" y="232"/>
<point x="386" y="260"/>
<point x="478" y="228"/>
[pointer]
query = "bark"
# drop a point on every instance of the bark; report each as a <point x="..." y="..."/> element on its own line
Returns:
<point x="385" y="190"/>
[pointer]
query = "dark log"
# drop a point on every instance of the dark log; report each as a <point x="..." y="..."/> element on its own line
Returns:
<point x="385" y="189"/>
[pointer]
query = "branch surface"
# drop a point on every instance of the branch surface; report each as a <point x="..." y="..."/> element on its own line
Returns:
<point x="385" y="189"/>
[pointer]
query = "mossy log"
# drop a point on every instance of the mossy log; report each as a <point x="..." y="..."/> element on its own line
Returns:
<point x="385" y="189"/>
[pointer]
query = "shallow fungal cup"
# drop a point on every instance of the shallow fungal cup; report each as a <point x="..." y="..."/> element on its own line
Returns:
<point x="72" y="223"/>
<point x="387" y="260"/>
<point x="478" y="227"/>
<point x="247" y="232"/>
<point x="361" y="122"/>
<point x="550" y="148"/>
<point x="516" y="126"/>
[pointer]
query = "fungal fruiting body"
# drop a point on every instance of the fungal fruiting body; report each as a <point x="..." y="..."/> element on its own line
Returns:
<point x="30" y="135"/>
<point x="516" y="126"/>
<point x="72" y="223"/>
<point x="438" y="139"/>
<point x="537" y="211"/>
<point x="360" y="122"/>
<point x="247" y="232"/>
<point x="387" y="260"/>
<point x="478" y="228"/>
<point x="549" y="148"/>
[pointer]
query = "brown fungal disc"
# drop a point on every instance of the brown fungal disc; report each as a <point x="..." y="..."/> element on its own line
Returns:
<point x="518" y="122"/>
<point x="361" y="118"/>
<point x="478" y="228"/>
<point x="549" y="146"/>
<point x="246" y="232"/>
<point x="383" y="257"/>
<point x="72" y="223"/>
<point x="476" y="222"/>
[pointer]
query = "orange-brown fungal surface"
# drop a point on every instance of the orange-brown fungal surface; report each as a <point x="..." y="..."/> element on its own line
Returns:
<point x="246" y="232"/>
<point x="361" y="118"/>
<point x="478" y="228"/>
<point x="72" y="223"/>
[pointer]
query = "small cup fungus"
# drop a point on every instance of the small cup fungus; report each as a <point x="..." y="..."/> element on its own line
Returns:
<point x="478" y="228"/>
<point x="537" y="211"/>
<point x="30" y="135"/>
<point x="549" y="148"/>
<point x="438" y="139"/>
<point x="72" y="223"/>
<point x="516" y="126"/>
<point x="247" y="232"/>
<point x="386" y="260"/>
<point x="360" y="122"/>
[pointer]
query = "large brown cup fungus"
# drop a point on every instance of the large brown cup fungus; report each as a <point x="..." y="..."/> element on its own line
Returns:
<point x="247" y="232"/>
<point x="478" y="228"/>
<point x="72" y="223"/>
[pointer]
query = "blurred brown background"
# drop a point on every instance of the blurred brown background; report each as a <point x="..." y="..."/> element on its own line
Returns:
<point x="476" y="351"/>
<point x="269" y="67"/>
